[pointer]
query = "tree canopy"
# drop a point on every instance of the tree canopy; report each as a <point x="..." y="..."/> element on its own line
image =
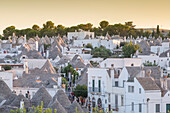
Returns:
<point x="36" y="27"/>
<point x="89" y="46"/>
<point x="130" y="49"/>
<point x="103" y="24"/>
<point x="80" y="91"/>
<point x="125" y="30"/>
<point x="101" y="52"/>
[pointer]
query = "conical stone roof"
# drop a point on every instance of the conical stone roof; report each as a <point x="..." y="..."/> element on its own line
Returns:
<point x="41" y="95"/>
<point x="73" y="106"/>
<point x="5" y="91"/>
<point x="48" y="67"/>
<point x="17" y="100"/>
<point x="10" y="99"/>
<point x="54" y="104"/>
<point x="62" y="98"/>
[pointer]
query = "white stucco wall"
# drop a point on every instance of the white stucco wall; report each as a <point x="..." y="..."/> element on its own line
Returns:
<point x="121" y="62"/>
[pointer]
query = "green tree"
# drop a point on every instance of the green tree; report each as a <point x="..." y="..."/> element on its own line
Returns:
<point x="8" y="31"/>
<point x="157" y="30"/>
<point x="147" y="33"/>
<point x="85" y="27"/>
<point x="1" y="37"/>
<point x="48" y="25"/>
<point x="97" y="31"/>
<point x="122" y="43"/>
<point x="80" y="91"/>
<point x="72" y="29"/>
<point x="48" y="32"/>
<point x="89" y="46"/>
<point x="130" y="49"/>
<point x="153" y="33"/>
<point x="139" y="32"/>
<point x="101" y="52"/>
<point x="169" y="34"/>
<point x="130" y="24"/>
<point x="132" y="33"/>
<point x="60" y="29"/>
<point x="25" y="32"/>
<point x="68" y="69"/>
<point x="110" y="29"/>
<point x="7" y="67"/>
<point x="36" y="27"/>
<point x="32" y="33"/>
<point x="89" y="26"/>
<point x="46" y="46"/>
<point x="103" y="24"/>
<point x="116" y="29"/>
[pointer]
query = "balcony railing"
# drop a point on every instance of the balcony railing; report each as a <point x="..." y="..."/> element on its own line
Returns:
<point x="94" y="90"/>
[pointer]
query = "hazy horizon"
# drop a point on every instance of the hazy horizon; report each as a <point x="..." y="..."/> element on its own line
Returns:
<point x="25" y="13"/>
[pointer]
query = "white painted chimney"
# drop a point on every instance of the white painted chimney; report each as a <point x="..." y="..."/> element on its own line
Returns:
<point x="162" y="73"/>
<point x="59" y="81"/>
<point x="168" y="54"/>
<point x="47" y="54"/>
<point x="25" y="39"/>
<point x="36" y="45"/>
<point x="26" y="67"/>
<point x="21" y="104"/>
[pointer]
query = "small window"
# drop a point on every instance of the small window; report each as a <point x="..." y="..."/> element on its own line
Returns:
<point x="132" y="106"/>
<point x="139" y="90"/>
<point x="130" y="89"/>
<point x="157" y="107"/>
<point x="116" y="101"/>
<point x="116" y="84"/>
<point x="122" y="100"/>
<point x="140" y="107"/>
<point x="118" y="72"/>
<point x="123" y="83"/>
<point x="109" y="97"/>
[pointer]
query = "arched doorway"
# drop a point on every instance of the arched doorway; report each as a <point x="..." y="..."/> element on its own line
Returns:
<point x="99" y="102"/>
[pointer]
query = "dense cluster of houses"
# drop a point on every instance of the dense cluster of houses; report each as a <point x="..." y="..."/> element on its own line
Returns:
<point x="139" y="84"/>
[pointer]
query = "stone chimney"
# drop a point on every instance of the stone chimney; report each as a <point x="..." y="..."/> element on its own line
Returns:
<point x="112" y="71"/>
<point x="47" y="54"/>
<point x="26" y="67"/>
<point x="59" y="81"/>
<point x="143" y="73"/>
<point x="148" y="73"/>
<point x="22" y="104"/>
<point x="168" y="54"/>
<point x="158" y="51"/>
<point x="25" y="39"/>
<point x="36" y="45"/>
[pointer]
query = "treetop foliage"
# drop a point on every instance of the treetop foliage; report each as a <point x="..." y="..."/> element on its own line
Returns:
<point x="130" y="49"/>
<point x="127" y="29"/>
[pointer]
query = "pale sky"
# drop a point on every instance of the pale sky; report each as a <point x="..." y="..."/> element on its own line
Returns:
<point x="25" y="13"/>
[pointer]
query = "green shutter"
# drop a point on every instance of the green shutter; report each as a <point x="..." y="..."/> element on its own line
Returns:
<point x="167" y="108"/>
<point x="99" y="85"/>
<point x="93" y="84"/>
